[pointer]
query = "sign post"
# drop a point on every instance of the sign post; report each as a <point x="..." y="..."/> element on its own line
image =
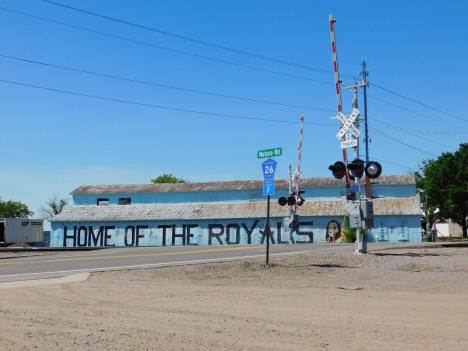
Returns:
<point x="267" y="232"/>
<point x="268" y="169"/>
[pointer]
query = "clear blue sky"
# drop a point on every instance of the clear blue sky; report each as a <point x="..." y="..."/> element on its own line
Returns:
<point x="51" y="143"/>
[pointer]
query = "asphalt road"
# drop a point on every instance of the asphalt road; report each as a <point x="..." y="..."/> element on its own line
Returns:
<point x="66" y="263"/>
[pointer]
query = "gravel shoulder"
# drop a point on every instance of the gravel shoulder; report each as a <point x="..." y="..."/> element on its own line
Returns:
<point x="400" y="299"/>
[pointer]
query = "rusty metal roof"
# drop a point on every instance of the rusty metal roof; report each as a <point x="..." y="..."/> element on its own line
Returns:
<point x="229" y="185"/>
<point x="230" y="210"/>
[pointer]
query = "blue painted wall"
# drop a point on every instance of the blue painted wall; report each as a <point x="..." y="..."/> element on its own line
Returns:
<point x="46" y="241"/>
<point x="396" y="229"/>
<point x="220" y="232"/>
<point x="168" y="233"/>
<point x="386" y="190"/>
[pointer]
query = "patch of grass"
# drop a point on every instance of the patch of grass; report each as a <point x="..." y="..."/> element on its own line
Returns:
<point x="447" y="239"/>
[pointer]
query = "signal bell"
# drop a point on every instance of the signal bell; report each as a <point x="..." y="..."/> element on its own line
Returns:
<point x="338" y="169"/>
<point x="373" y="169"/>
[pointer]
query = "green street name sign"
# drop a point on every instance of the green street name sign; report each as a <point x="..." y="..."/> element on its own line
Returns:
<point x="277" y="151"/>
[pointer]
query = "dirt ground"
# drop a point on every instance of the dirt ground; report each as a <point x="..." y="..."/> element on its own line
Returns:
<point x="387" y="300"/>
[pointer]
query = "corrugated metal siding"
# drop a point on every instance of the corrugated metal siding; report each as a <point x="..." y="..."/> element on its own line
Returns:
<point x="201" y="211"/>
<point x="232" y="185"/>
<point x="23" y="230"/>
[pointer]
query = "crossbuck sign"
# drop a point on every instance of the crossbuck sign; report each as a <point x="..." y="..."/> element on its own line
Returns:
<point x="347" y="122"/>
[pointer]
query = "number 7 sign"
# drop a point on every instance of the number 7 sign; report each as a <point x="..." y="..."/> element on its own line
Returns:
<point x="269" y="168"/>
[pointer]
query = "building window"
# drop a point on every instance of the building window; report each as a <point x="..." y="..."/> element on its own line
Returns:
<point x="102" y="202"/>
<point x="125" y="201"/>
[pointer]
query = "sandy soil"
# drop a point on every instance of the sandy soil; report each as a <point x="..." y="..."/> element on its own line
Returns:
<point x="389" y="300"/>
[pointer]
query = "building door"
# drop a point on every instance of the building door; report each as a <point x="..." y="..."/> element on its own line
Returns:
<point x="2" y="232"/>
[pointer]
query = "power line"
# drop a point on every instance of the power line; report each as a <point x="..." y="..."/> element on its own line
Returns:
<point x="161" y="85"/>
<point x="417" y="135"/>
<point x="413" y="112"/>
<point x="393" y="163"/>
<point x="419" y="103"/>
<point x="423" y="131"/>
<point x="163" y="107"/>
<point x="402" y="142"/>
<point x="181" y="52"/>
<point x="191" y="39"/>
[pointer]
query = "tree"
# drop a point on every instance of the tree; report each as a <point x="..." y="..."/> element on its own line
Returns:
<point x="14" y="209"/>
<point x="444" y="184"/>
<point x="53" y="207"/>
<point x="167" y="178"/>
<point x="429" y="208"/>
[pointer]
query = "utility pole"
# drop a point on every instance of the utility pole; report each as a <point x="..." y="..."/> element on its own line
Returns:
<point x="428" y="228"/>
<point x="427" y="217"/>
<point x="364" y="83"/>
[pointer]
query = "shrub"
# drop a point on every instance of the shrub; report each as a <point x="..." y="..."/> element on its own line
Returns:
<point x="350" y="233"/>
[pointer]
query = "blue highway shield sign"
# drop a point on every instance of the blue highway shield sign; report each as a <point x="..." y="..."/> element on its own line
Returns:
<point x="269" y="187"/>
<point x="269" y="168"/>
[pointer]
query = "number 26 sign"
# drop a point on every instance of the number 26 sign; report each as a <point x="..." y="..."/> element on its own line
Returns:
<point x="269" y="168"/>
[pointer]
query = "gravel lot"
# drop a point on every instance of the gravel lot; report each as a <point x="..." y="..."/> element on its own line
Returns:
<point x="388" y="300"/>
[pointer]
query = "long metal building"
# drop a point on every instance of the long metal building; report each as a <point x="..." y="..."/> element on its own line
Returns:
<point x="228" y="213"/>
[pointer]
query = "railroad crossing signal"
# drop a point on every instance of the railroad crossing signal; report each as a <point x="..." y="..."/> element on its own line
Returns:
<point x="372" y="169"/>
<point x="292" y="199"/>
<point x="356" y="168"/>
<point x="347" y="122"/>
<point x="338" y="169"/>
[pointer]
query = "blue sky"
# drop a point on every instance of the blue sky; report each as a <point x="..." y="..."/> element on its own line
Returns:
<point x="51" y="142"/>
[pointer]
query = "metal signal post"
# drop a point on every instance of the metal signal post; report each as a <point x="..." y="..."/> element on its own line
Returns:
<point x="360" y="244"/>
<point x="299" y="163"/>
<point x="361" y="211"/>
<point x="294" y="198"/>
